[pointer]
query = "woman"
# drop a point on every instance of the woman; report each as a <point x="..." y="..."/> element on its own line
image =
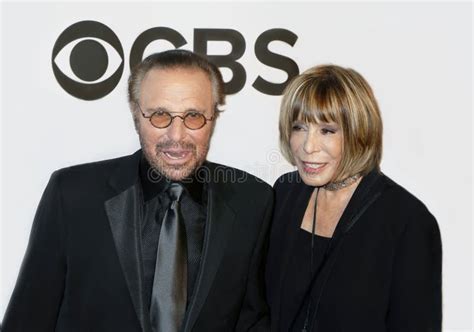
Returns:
<point x="350" y="250"/>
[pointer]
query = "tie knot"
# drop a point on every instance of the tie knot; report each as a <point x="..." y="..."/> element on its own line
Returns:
<point x="175" y="190"/>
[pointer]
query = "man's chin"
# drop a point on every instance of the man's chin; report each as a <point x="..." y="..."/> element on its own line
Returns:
<point x="175" y="173"/>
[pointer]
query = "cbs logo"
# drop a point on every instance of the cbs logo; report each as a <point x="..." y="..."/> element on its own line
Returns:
<point x="88" y="58"/>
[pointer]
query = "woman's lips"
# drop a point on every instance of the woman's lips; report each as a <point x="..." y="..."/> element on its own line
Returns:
<point x="313" y="168"/>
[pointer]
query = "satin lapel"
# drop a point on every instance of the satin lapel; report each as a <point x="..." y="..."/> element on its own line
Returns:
<point x="220" y="218"/>
<point x="294" y="217"/>
<point x="124" y="213"/>
<point x="365" y="194"/>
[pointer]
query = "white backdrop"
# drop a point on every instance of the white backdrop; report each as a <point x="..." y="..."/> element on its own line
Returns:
<point x="416" y="56"/>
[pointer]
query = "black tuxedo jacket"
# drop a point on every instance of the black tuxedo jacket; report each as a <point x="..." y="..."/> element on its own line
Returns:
<point x="82" y="270"/>
<point x="383" y="271"/>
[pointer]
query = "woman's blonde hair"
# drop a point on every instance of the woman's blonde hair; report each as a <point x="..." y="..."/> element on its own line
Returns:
<point x="329" y="93"/>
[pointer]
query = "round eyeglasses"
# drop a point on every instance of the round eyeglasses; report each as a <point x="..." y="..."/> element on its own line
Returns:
<point x="162" y="119"/>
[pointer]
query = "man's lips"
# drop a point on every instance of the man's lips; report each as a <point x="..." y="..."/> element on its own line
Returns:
<point x="176" y="154"/>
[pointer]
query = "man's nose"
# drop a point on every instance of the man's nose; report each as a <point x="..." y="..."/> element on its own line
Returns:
<point x="176" y="130"/>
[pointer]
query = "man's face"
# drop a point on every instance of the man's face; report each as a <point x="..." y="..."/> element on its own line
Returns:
<point x="175" y="151"/>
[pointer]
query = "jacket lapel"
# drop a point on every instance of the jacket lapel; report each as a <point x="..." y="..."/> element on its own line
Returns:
<point x="220" y="218"/>
<point x="124" y="214"/>
<point x="367" y="192"/>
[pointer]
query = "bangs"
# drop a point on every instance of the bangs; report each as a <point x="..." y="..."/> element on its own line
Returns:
<point x="317" y="102"/>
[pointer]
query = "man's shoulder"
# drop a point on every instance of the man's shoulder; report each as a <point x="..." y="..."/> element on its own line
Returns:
<point x="92" y="171"/>
<point x="241" y="190"/>
<point x="94" y="166"/>
<point x="225" y="174"/>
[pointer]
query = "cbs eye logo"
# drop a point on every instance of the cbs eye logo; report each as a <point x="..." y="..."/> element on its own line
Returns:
<point x="94" y="50"/>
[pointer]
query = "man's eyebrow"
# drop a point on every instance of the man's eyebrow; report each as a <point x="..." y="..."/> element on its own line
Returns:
<point x="191" y="109"/>
<point x="164" y="109"/>
<point x="157" y="109"/>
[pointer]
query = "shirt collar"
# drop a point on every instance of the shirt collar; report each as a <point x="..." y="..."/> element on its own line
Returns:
<point x="154" y="183"/>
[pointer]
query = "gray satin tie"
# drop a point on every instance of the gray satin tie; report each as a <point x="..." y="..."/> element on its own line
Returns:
<point x="168" y="299"/>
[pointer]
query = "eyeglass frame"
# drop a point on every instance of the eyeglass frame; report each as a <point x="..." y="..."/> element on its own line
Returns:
<point x="172" y="117"/>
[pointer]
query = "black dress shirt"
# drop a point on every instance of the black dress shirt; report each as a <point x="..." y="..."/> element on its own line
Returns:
<point x="156" y="202"/>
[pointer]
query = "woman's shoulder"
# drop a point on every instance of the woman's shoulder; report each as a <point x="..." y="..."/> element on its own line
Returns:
<point x="414" y="228"/>
<point x="287" y="180"/>
<point x="400" y="195"/>
<point x="399" y="201"/>
<point x="288" y="189"/>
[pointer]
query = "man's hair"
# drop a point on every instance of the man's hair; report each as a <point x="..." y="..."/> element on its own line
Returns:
<point x="330" y="93"/>
<point x="174" y="59"/>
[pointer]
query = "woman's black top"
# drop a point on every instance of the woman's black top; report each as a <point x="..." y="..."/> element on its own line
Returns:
<point x="295" y="297"/>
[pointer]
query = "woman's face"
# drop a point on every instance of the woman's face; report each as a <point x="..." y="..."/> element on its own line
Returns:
<point x="317" y="150"/>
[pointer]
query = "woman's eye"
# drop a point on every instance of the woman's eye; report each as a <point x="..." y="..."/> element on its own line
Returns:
<point x="297" y="127"/>
<point x="326" y="131"/>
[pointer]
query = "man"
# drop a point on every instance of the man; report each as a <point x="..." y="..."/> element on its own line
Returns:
<point x="161" y="240"/>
